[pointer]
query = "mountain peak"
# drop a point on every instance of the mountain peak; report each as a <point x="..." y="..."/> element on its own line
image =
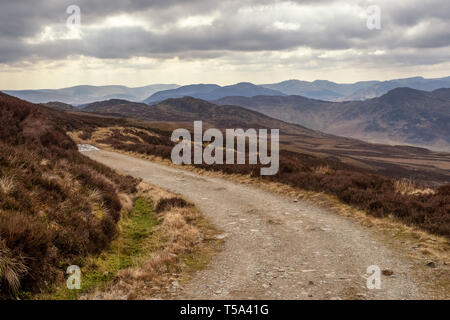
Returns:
<point x="245" y="84"/>
<point x="404" y="91"/>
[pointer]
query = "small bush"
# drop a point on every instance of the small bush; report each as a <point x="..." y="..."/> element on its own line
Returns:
<point x="167" y="203"/>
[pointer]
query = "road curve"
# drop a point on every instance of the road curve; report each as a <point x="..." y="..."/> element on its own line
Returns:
<point x="276" y="248"/>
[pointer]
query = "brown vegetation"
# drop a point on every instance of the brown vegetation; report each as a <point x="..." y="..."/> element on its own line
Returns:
<point x="56" y="205"/>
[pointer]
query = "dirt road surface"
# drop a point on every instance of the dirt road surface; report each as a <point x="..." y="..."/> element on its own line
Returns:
<point x="276" y="248"/>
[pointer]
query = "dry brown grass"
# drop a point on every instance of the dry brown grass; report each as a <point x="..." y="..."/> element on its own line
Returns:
<point x="11" y="269"/>
<point x="154" y="192"/>
<point x="126" y="201"/>
<point x="323" y="170"/>
<point x="7" y="184"/>
<point x="181" y="234"/>
<point x="95" y="195"/>
<point x="410" y="187"/>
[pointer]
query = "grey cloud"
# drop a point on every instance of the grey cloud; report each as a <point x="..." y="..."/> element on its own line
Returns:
<point x="228" y="34"/>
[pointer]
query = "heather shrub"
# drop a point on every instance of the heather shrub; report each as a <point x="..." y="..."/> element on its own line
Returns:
<point x="167" y="203"/>
<point x="48" y="217"/>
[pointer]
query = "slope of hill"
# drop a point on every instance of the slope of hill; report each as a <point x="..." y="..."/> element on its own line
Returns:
<point x="60" y="106"/>
<point x="402" y="116"/>
<point x="86" y="94"/>
<point x="300" y="110"/>
<point x="190" y="109"/>
<point x="213" y="92"/>
<point x="56" y="205"/>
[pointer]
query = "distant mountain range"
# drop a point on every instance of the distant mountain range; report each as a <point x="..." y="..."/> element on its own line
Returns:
<point x="319" y="89"/>
<point x="402" y="116"/>
<point x="80" y="95"/>
<point x="213" y="92"/>
<point x="331" y="91"/>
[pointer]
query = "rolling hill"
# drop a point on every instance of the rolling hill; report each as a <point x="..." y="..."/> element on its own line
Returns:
<point x="402" y="116"/>
<point x="59" y="106"/>
<point x="190" y="109"/>
<point x="319" y="89"/>
<point x="213" y="92"/>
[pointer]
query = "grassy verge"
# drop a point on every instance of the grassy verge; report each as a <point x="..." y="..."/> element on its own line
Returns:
<point x="183" y="242"/>
<point x="128" y="250"/>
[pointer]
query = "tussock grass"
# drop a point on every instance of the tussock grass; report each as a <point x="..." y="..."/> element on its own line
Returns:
<point x="7" y="185"/>
<point x="11" y="270"/>
<point x="323" y="170"/>
<point x="410" y="187"/>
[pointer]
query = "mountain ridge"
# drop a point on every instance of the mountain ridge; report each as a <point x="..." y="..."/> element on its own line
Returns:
<point x="83" y="94"/>
<point x="211" y="92"/>
<point x="402" y="116"/>
<point x="318" y="89"/>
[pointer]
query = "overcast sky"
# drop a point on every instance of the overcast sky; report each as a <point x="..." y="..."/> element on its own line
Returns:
<point x="141" y="42"/>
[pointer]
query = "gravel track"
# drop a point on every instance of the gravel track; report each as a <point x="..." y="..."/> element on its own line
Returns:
<point x="274" y="247"/>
